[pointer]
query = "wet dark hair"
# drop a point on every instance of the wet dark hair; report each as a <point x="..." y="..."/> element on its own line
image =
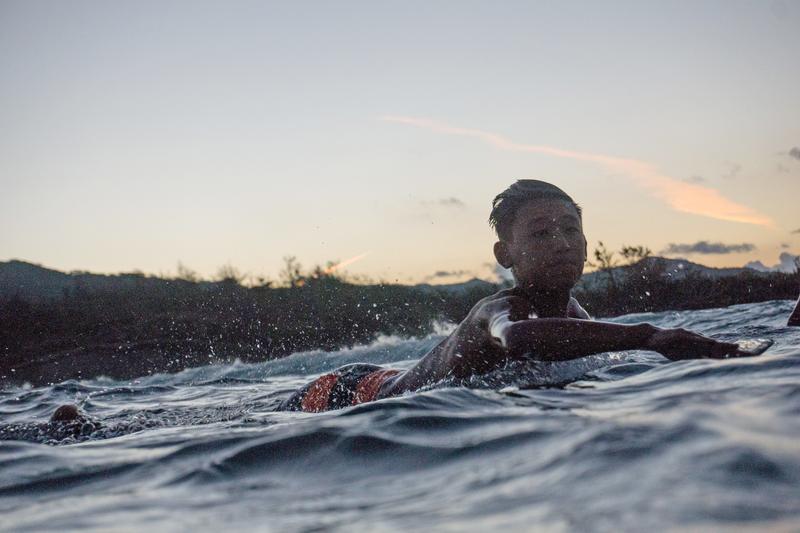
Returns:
<point x="506" y="204"/>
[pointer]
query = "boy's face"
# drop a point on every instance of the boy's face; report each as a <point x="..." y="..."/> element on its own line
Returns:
<point x="547" y="249"/>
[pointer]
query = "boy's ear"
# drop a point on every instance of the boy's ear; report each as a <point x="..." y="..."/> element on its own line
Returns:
<point x="502" y="254"/>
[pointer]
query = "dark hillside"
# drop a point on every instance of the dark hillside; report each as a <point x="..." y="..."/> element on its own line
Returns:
<point x="56" y="326"/>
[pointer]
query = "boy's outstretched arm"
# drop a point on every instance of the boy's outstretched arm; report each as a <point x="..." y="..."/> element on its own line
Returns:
<point x="560" y="339"/>
<point x="489" y="337"/>
<point x="554" y="339"/>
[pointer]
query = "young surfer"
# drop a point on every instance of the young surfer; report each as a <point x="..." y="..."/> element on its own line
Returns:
<point x="540" y="238"/>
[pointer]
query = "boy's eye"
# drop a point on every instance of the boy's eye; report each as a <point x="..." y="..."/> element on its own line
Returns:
<point x="541" y="233"/>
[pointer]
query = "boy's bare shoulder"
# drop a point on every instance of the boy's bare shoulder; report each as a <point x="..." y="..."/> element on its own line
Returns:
<point x="574" y="308"/>
<point x="502" y="293"/>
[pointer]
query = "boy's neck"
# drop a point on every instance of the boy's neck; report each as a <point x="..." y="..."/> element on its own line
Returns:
<point x="548" y="303"/>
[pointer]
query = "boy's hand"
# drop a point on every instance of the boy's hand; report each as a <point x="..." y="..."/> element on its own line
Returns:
<point x="471" y="348"/>
<point x="679" y="344"/>
<point x="505" y="300"/>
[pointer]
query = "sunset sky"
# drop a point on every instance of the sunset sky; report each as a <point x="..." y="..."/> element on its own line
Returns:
<point x="139" y="134"/>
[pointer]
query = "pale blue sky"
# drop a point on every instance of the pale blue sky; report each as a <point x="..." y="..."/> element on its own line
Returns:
<point x="138" y="134"/>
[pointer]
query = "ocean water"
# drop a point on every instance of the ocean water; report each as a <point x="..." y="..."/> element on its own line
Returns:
<point x="617" y="442"/>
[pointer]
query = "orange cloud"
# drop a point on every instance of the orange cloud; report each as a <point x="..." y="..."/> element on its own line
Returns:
<point x="342" y="264"/>
<point x="681" y="196"/>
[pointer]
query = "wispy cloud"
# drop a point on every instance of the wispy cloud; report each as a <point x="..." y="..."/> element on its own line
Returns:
<point x="681" y="196"/>
<point x="695" y="179"/>
<point x="446" y="202"/>
<point x="795" y="153"/>
<point x="709" y="248"/>
<point x="443" y="274"/>
<point x="733" y="170"/>
<point x="796" y="231"/>
<point x="449" y="273"/>
<point x="451" y="202"/>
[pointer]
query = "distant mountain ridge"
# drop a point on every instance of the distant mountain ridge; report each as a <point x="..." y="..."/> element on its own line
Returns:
<point x="675" y="269"/>
<point x="32" y="282"/>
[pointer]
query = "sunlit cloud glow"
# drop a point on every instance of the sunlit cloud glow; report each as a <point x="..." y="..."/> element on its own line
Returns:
<point x="680" y="195"/>
<point x="342" y="264"/>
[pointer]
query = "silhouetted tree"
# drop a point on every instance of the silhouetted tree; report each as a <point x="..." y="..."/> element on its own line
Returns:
<point x="229" y="274"/>
<point x="634" y="254"/>
<point x="187" y="274"/>
<point x="605" y="262"/>
<point x="291" y="274"/>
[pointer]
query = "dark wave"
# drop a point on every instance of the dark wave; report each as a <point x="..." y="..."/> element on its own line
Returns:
<point x="622" y="442"/>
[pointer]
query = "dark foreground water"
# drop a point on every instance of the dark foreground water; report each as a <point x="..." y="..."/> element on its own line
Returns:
<point x="626" y="442"/>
